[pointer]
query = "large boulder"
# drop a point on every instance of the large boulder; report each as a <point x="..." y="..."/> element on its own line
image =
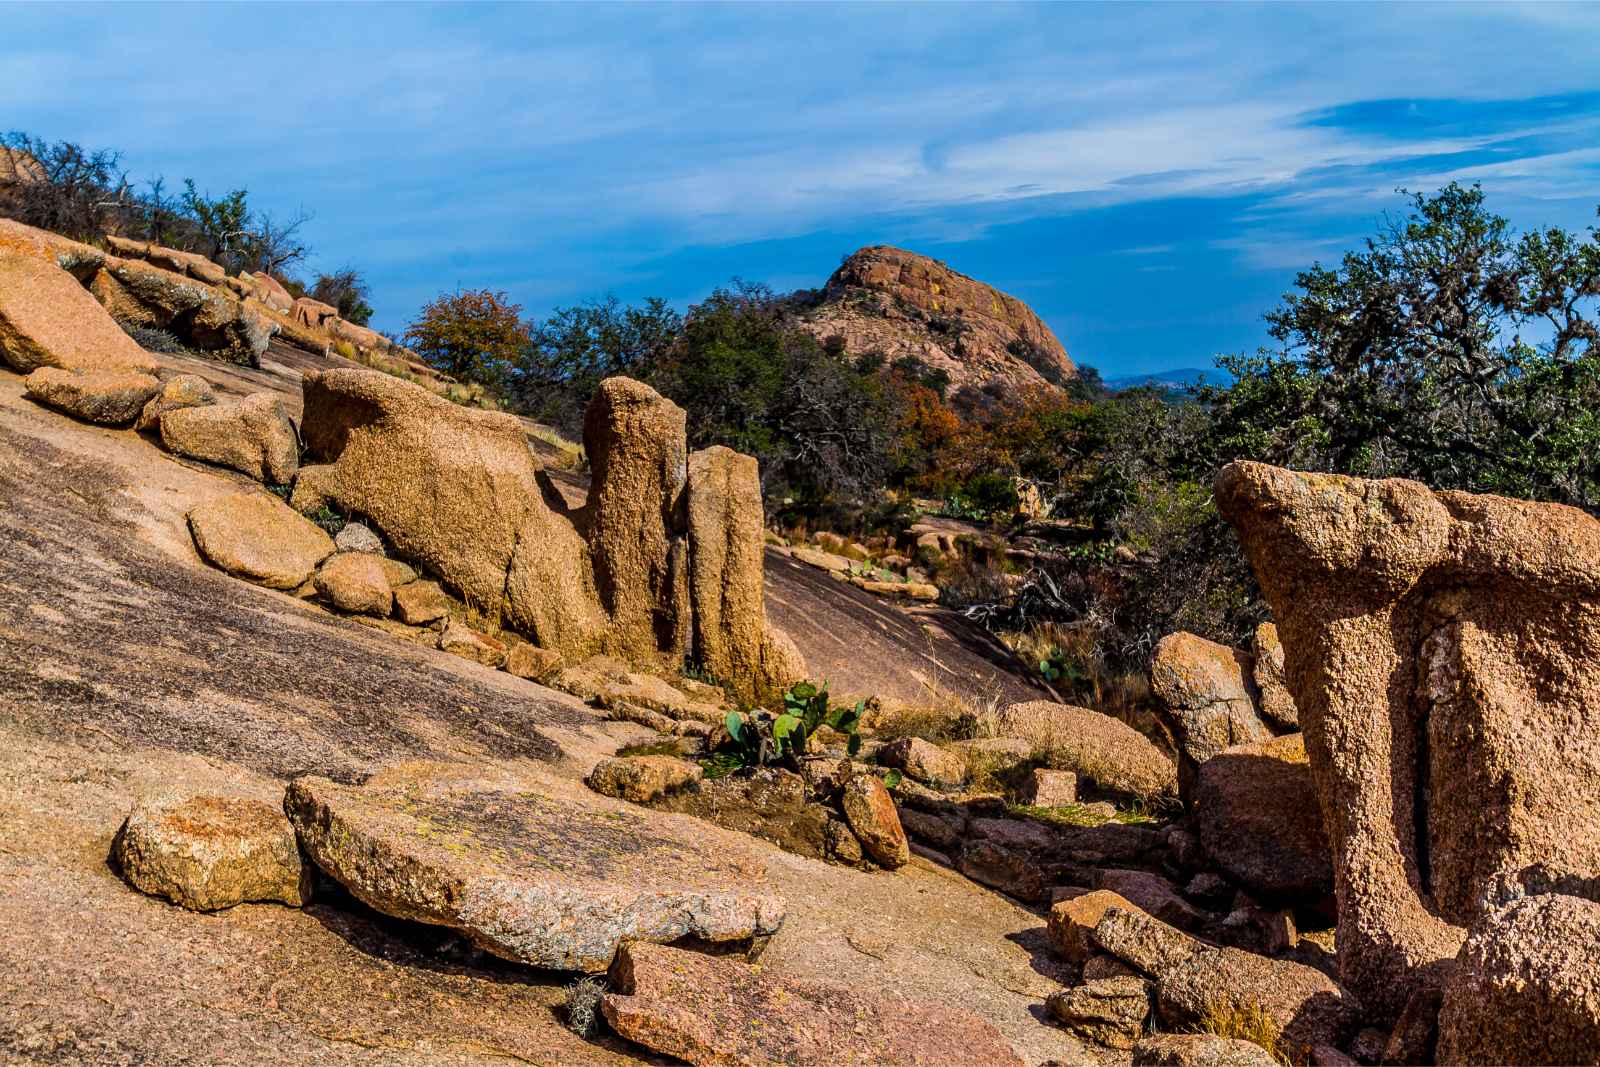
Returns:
<point x="47" y="319"/>
<point x="526" y="873"/>
<point x="1526" y="988"/>
<point x="253" y="435"/>
<point x="1096" y="747"/>
<point x="455" y="489"/>
<point x="715" y="1012"/>
<point x="1442" y="652"/>
<point x="1260" y="820"/>
<point x="208" y="852"/>
<point x="112" y="397"/>
<point x="1194" y="979"/>
<point x="1205" y="690"/>
<point x="634" y="438"/>
<point x="258" y="537"/>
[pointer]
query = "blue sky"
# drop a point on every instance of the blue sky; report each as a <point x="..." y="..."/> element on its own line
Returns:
<point x="1148" y="178"/>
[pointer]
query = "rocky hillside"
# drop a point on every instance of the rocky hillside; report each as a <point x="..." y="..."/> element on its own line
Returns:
<point x="992" y="346"/>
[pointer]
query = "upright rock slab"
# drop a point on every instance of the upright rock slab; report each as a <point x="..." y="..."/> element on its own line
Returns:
<point x="1443" y="650"/>
<point x="726" y="547"/>
<point x="634" y="438"/>
<point x="715" y="1012"/>
<point x="526" y="874"/>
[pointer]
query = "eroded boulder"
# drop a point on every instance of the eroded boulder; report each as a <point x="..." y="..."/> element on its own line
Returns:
<point x="1442" y="652"/>
<point x="106" y="397"/>
<point x="1096" y="747"/>
<point x="252" y="435"/>
<point x="524" y="872"/>
<point x="179" y="391"/>
<point x="1106" y="1011"/>
<point x="1193" y="978"/>
<point x="1205" y="690"/>
<point x="209" y="852"/>
<point x="355" y="582"/>
<point x="421" y="602"/>
<point x="924" y="761"/>
<point x="720" y="1011"/>
<point x="211" y="319"/>
<point x="258" y="537"/>
<point x="871" y="814"/>
<point x="641" y="779"/>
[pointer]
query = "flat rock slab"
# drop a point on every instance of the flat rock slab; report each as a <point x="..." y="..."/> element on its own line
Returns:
<point x="259" y="538"/>
<point x="720" y="1011"/>
<point x="528" y="876"/>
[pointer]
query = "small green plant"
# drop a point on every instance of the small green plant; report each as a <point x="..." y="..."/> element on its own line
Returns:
<point x="583" y="1006"/>
<point x="760" y="737"/>
<point x="1057" y="667"/>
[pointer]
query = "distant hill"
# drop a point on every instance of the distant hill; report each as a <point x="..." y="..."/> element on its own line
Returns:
<point x="1171" y="380"/>
<point x="991" y="346"/>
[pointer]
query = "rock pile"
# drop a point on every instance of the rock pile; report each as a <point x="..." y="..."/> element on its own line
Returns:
<point x="1441" y="649"/>
<point x="652" y="569"/>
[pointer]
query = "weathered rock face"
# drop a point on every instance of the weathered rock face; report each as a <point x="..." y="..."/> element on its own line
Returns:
<point x="1526" y="988"/>
<point x="1206" y="690"/>
<point x="527" y="875"/>
<point x="710" y="1011"/>
<point x="1444" y="653"/>
<point x="1106" y="751"/>
<point x="108" y="397"/>
<point x="259" y="538"/>
<point x="48" y="320"/>
<point x="211" y="852"/>
<point x="1192" y="977"/>
<point x="1275" y="702"/>
<point x="208" y="318"/>
<point x="635" y="440"/>
<point x="993" y="347"/>
<point x="253" y="435"/>
<point x="1260" y="820"/>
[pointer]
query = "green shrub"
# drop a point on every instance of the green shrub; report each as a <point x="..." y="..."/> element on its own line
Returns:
<point x="761" y="738"/>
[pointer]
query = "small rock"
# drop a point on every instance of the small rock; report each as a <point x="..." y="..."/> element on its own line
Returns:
<point x="355" y="582"/>
<point x="1210" y="889"/>
<point x="872" y="816"/>
<point x="1072" y="922"/>
<point x="1276" y="703"/>
<point x="641" y="779"/>
<point x="625" y="712"/>
<point x="180" y="391"/>
<point x="258" y="537"/>
<point x="106" y="397"/>
<point x="1199" y="1050"/>
<point x="841" y="845"/>
<point x="358" y="537"/>
<point x="1106" y="1011"/>
<point x="924" y="761"/>
<point x="1153" y="895"/>
<point x="719" y="1011"/>
<point x="461" y="640"/>
<point x="1367" y="1046"/>
<point x="527" y="660"/>
<point x="209" y="852"/>
<point x="253" y="435"/>
<point x="1050" y="789"/>
<point x="421" y="602"/>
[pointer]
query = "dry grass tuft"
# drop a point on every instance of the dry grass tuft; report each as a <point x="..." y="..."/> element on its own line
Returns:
<point x="1244" y="1022"/>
